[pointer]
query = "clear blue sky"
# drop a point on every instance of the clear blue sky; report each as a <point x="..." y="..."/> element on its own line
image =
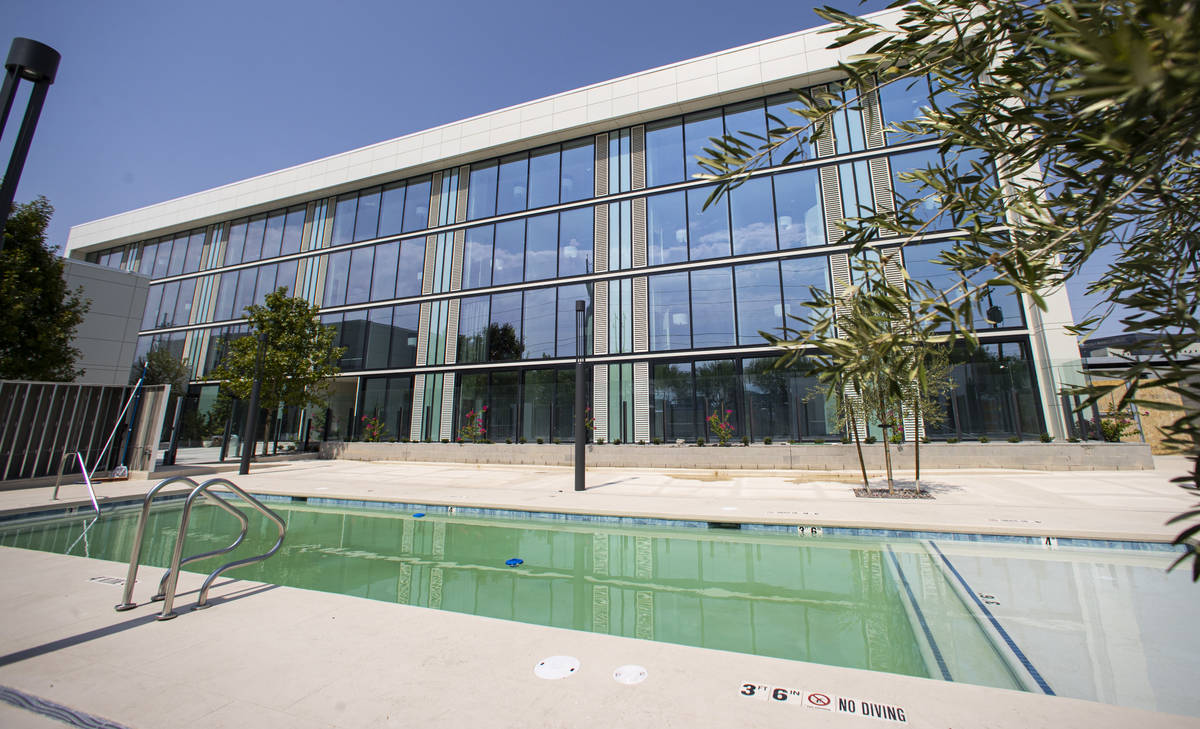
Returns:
<point x="160" y="99"/>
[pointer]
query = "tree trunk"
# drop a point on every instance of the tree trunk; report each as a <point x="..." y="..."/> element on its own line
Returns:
<point x="917" y="442"/>
<point x="270" y="422"/>
<point x="858" y="444"/>
<point x="887" y="459"/>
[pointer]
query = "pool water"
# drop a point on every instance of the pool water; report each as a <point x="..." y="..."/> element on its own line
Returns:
<point x="951" y="611"/>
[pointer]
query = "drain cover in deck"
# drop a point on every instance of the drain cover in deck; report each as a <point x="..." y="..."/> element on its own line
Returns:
<point x="630" y="674"/>
<point x="556" y="667"/>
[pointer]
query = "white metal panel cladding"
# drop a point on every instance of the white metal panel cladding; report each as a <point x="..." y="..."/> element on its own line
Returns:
<point x="456" y="265"/>
<point x="872" y="116"/>
<point x="600" y="318"/>
<point x="839" y="276"/>
<point x="831" y="199"/>
<point x="600" y="401"/>
<point x="199" y="300"/>
<point x="430" y="260"/>
<point x="601" y="168"/>
<point x="447" y="424"/>
<point x="306" y="233"/>
<point x="637" y="154"/>
<point x="423" y="332"/>
<point x="452" y="332"/>
<point x="641" y="323"/>
<point x="460" y="210"/>
<point x="881" y="185"/>
<point x="641" y="400"/>
<point x="318" y="279"/>
<point x="600" y="238"/>
<point x="418" y="406"/>
<point x="435" y="198"/>
<point x="823" y="132"/>
<point x="639" y="232"/>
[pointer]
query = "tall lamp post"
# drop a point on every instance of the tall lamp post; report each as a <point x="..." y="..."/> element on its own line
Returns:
<point x="36" y="62"/>
<point x="580" y="430"/>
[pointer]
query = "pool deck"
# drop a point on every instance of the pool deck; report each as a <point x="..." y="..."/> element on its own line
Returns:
<point x="268" y="656"/>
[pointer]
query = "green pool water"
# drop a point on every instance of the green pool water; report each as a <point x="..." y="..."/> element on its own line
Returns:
<point x="831" y="601"/>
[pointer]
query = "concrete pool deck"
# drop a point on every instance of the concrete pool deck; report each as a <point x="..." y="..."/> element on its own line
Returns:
<point x="275" y="656"/>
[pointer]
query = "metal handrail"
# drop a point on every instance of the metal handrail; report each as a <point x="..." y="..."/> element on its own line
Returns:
<point x="91" y="493"/>
<point x="218" y="501"/>
<point x="135" y="556"/>
<point x="177" y="556"/>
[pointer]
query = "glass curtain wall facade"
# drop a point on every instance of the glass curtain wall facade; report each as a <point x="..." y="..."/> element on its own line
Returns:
<point x="456" y="290"/>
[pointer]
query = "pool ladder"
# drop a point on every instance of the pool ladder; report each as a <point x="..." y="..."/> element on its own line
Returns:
<point x="167" y="585"/>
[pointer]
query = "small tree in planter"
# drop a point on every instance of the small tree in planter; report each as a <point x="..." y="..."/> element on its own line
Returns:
<point x="720" y="426"/>
<point x="374" y="430"/>
<point x="472" y="430"/>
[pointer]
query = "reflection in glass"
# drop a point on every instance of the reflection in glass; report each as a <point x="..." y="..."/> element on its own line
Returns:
<point x="666" y="228"/>
<point x="337" y="272"/>
<point x="708" y="229"/>
<point x="995" y="308"/>
<point x="747" y="118"/>
<point x="800" y="276"/>
<point x="254" y="239"/>
<point x="293" y="229"/>
<point x="245" y="291"/>
<point x="669" y="312"/>
<point x="578" y="165"/>
<point x="537" y="404"/>
<point x="567" y="296"/>
<point x="287" y="276"/>
<point x="537" y="332"/>
<point x="233" y="248"/>
<point x="473" y="329"/>
<point x="922" y="202"/>
<point x="404" y="335"/>
<point x="383" y="271"/>
<point x="718" y="390"/>
<point x="541" y="247"/>
<point x="543" y="177"/>
<point x="504" y="329"/>
<point x="379" y="338"/>
<point x="800" y="218"/>
<point x="759" y="307"/>
<point x="672" y="401"/>
<point x="359" y="286"/>
<point x="391" y="210"/>
<point x="664" y="153"/>
<point x="780" y="108"/>
<point x="509" y="257"/>
<point x="712" y="308"/>
<point x="513" y="185"/>
<point x="416" y="204"/>
<point x="903" y="100"/>
<point x="575" y="242"/>
<point x="265" y="284"/>
<point x="411" y="268"/>
<point x="697" y="129"/>
<point x="343" y="220"/>
<point x="481" y="196"/>
<point x="225" y="291"/>
<point x="477" y="258"/>
<point x="273" y="242"/>
<point x="178" y="253"/>
<point x="366" y="221"/>
<point x="354" y="339"/>
<point x="753" y="216"/>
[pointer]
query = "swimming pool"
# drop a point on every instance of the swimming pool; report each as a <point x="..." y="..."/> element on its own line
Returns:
<point x="1008" y="616"/>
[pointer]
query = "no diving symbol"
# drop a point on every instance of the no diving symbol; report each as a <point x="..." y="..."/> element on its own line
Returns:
<point x="818" y="699"/>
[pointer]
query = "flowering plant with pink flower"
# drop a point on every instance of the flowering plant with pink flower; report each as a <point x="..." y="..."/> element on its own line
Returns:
<point x="472" y="429"/>
<point x="719" y="425"/>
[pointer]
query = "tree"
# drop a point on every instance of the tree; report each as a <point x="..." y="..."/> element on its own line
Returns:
<point x="1087" y="113"/>
<point x="39" y="315"/>
<point x="300" y="361"/>
<point x="163" y="368"/>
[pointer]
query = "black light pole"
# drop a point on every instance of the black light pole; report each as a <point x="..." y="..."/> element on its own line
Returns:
<point x="249" y="438"/>
<point x="580" y="430"/>
<point x="36" y="62"/>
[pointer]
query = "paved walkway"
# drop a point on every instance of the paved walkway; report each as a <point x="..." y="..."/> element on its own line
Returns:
<point x="268" y="656"/>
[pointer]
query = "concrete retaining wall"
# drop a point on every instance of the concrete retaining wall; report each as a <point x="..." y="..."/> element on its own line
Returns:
<point x="836" y="457"/>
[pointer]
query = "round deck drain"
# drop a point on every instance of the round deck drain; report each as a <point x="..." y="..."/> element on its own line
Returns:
<point x="630" y="674"/>
<point x="556" y="667"/>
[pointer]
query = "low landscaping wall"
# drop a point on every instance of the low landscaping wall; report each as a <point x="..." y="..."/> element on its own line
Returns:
<point x="826" y="457"/>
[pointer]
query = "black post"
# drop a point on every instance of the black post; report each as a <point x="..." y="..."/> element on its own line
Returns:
<point x="36" y="62"/>
<point x="169" y="456"/>
<point x="580" y="430"/>
<point x="251" y="431"/>
<point x="228" y="432"/>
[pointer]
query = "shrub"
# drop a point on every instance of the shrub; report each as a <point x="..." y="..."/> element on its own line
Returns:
<point x="700" y="442"/>
<point x="847" y="439"/>
<point x="1013" y="439"/>
<point x="897" y="439"/>
<point x="926" y="440"/>
<point x="952" y="440"/>
<point x="1115" y="424"/>
<point x="599" y="441"/>
<point x="869" y="439"/>
<point x="641" y="442"/>
<point x="508" y="440"/>
<point x="1072" y="440"/>
<point x="984" y="439"/>
<point x="558" y="441"/>
<point x="657" y="441"/>
<point x="445" y="440"/>
<point x="616" y="441"/>
<point x="540" y="441"/>
<point x="745" y="440"/>
<point x="373" y="429"/>
<point x="472" y="429"/>
<point x="521" y="440"/>
<point x="720" y="426"/>
<point x="1046" y="437"/>
<point x="767" y="440"/>
<point x="818" y="441"/>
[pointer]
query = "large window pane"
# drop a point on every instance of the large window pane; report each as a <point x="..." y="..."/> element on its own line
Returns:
<point x="543" y="177"/>
<point x="293" y="229"/>
<point x="537" y="405"/>
<point x="712" y="307"/>
<point x="504" y="329"/>
<point x="537" y="331"/>
<point x="366" y="222"/>
<point x="162" y="258"/>
<point x="383" y="272"/>
<point x="673" y="402"/>
<point x="379" y="337"/>
<point x="780" y="108"/>
<point x="798" y="211"/>
<point x="903" y="100"/>
<point x="473" y="329"/>
<point x="541" y="247"/>
<point x="254" y="239"/>
<point x="225" y="292"/>
<point x="753" y="216"/>
<point x="481" y="197"/>
<point x="343" y="219"/>
<point x="337" y="272"/>
<point x="477" y="257"/>
<point x="416" y="204"/>
<point x="800" y="277"/>
<point x="664" y="153"/>
<point x="150" y="318"/>
<point x="697" y="130"/>
<point x="666" y="227"/>
<point x="513" y="184"/>
<point x="265" y="284"/>
<point x="391" y="210"/>
<point x="359" y="288"/>
<point x="354" y="339"/>
<point x="233" y="248"/>
<point x="501" y="420"/>
<point x="567" y="296"/>
<point x="578" y="165"/>
<point x="747" y="118"/>
<point x="997" y="308"/>
<point x="411" y="268"/>
<point x="404" y="335"/>
<point x="245" y="291"/>
<point x="178" y="253"/>
<point x="759" y="306"/>
<point x="708" y="229"/>
<point x="921" y="202"/>
<point x="669" y="312"/>
<point x="286" y="277"/>
<point x="273" y="242"/>
<point x="149" y="251"/>
<point x="575" y="242"/>
<point x="718" y="390"/>
<point x="509" y="256"/>
<point x="191" y="263"/>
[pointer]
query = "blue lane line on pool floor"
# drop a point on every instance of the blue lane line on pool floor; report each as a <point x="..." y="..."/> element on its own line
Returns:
<point x="1012" y="644"/>
<point x="937" y="654"/>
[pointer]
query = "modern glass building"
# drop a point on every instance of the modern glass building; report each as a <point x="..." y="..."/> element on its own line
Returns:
<point x="450" y="262"/>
